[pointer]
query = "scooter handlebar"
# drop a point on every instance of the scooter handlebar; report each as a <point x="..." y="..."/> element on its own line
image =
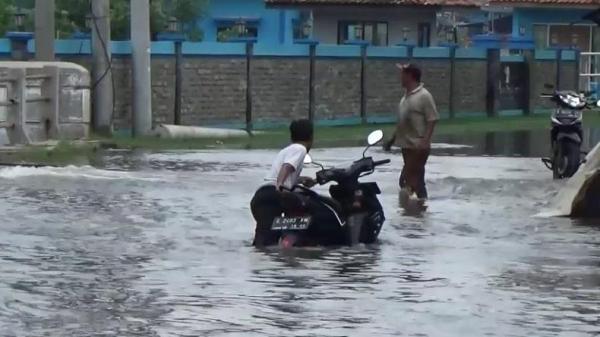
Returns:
<point x="381" y="162"/>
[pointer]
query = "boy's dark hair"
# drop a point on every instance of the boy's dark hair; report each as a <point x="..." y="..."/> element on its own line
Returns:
<point x="301" y="130"/>
<point x="412" y="70"/>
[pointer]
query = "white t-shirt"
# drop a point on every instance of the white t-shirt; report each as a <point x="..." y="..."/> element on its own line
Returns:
<point x="293" y="155"/>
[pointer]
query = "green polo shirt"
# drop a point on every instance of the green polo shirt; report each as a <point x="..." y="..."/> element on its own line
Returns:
<point x="414" y="111"/>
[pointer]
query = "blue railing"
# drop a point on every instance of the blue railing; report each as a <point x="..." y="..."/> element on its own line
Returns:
<point x="167" y="48"/>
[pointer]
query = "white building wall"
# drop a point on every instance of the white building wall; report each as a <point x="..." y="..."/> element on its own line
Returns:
<point x="326" y="21"/>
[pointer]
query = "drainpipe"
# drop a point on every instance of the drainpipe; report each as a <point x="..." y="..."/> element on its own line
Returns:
<point x="452" y="57"/>
<point x="577" y="69"/>
<point x="558" y="66"/>
<point x="312" y="45"/>
<point x="363" y="84"/>
<point x="249" y="41"/>
<point x="493" y="76"/>
<point x="363" y="76"/>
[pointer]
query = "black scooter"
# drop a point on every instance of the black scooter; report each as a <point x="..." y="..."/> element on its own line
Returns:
<point x="567" y="132"/>
<point x="351" y="216"/>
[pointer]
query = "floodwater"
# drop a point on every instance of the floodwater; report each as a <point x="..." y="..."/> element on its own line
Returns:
<point x="159" y="245"/>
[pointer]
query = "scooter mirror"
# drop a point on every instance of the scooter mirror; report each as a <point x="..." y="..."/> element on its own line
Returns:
<point x="375" y="137"/>
<point x="308" y="160"/>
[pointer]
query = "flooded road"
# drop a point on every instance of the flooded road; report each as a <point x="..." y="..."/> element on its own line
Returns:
<point x="159" y="245"/>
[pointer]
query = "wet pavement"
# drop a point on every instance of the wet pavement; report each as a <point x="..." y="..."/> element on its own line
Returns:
<point x="159" y="245"/>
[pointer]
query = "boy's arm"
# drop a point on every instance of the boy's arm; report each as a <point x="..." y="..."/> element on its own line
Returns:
<point x="284" y="173"/>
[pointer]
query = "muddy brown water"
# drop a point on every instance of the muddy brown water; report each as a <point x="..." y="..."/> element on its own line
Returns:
<point x="158" y="245"/>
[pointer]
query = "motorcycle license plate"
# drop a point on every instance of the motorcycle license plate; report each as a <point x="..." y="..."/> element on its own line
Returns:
<point x="291" y="224"/>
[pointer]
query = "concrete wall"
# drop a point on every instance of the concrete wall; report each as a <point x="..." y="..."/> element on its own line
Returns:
<point x="326" y="22"/>
<point x="73" y="119"/>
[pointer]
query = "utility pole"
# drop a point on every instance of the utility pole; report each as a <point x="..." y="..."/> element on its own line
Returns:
<point x="102" y="87"/>
<point x="44" y="30"/>
<point x="142" y="79"/>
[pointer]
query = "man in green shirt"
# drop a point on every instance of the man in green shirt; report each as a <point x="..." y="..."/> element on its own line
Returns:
<point x="417" y="117"/>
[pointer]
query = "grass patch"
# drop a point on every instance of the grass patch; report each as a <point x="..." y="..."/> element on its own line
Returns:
<point x="334" y="136"/>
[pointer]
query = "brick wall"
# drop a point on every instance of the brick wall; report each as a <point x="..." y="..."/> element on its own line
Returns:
<point x="337" y="88"/>
<point x="470" y="86"/>
<point x="383" y="87"/>
<point x="436" y="76"/>
<point x="214" y="90"/>
<point x="214" y="87"/>
<point x="280" y="88"/>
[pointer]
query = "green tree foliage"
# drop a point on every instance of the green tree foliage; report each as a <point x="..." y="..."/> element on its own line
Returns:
<point x="71" y="16"/>
<point x="6" y="15"/>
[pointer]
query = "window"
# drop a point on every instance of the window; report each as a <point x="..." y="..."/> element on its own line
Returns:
<point x="424" y="37"/>
<point x="302" y="29"/>
<point x="227" y="32"/>
<point x="376" y="33"/>
<point x="568" y="36"/>
<point x="564" y="36"/>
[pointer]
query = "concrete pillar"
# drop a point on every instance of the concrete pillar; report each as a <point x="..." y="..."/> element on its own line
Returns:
<point x="363" y="84"/>
<point x="44" y="30"/>
<point x="142" y="77"/>
<point x="557" y="83"/>
<point x="493" y="76"/>
<point x="311" y="82"/>
<point x="178" y="81"/>
<point x="531" y="100"/>
<point x="102" y="83"/>
<point x="249" y="56"/>
<point x="451" y="102"/>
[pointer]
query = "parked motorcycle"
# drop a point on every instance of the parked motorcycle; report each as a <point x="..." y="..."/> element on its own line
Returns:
<point x="352" y="214"/>
<point x="567" y="132"/>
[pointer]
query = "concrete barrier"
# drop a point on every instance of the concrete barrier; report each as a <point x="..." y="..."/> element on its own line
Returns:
<point x="179" y="131"/>
<point x="43" y="100"/>
<point x="580" y="197"/>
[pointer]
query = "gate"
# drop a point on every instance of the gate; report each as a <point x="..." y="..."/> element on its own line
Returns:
<point x="514" y="80"/>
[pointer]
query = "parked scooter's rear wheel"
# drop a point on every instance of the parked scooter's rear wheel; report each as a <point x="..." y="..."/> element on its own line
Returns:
<point x="567" y="160"/>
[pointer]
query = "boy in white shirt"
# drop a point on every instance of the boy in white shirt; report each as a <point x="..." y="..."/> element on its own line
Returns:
<point x="284" y="175"/>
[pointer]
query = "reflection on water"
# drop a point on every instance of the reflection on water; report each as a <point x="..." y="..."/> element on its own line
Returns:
<point x="518" y="143"/>
<point x="159" y="246"/>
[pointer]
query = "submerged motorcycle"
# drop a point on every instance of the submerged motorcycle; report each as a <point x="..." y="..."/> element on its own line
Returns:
<point x="352" y="214"/>
<point x="567" y="132"/>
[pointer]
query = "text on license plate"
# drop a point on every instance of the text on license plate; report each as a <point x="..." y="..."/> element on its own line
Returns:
<point x="291" y="223"/>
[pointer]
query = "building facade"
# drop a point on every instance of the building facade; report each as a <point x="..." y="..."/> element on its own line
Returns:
<point x="379" y="23"/>
<point x="224" y="18"/>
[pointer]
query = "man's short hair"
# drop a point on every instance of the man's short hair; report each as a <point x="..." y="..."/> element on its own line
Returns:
<point x="412" y="70"/>
<point x="301" y="130"/>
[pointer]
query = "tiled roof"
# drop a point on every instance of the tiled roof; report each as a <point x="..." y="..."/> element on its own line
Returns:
<point x="548" y="2"/>
<point x="476" y="3"/>
<point x="380" y="2"/>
